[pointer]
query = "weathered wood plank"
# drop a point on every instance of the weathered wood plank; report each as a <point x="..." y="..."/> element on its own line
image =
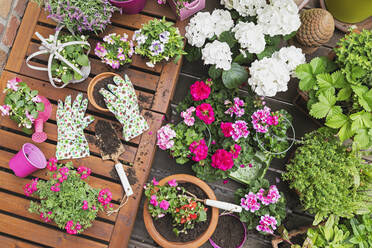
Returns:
<point x="14" y="243"/>
<point x="153" y="8"/>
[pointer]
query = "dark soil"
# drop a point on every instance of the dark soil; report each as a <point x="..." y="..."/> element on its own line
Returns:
<point x="101" y="84"/>
<point x="165" y="226"/>
<point x="107" y="139"/>
<point x="229" y="232"/>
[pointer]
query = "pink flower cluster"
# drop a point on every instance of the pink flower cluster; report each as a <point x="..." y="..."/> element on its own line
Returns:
<point x="187" y="116"/>
<point x="250" y="202"/>
<point x="200" y="91"/>
<point x="105" y="197"/>
<point x="173" y="183"/>
<point x="271" y="197"/>
<point x="267" y="224"/>
<point x="85" y="205"/>
<point x="84" y="172"/>
<point x="36" y="99"/>
<point x="236" y="151"/>
<point x="29" y="116"/>
<point x="63" y="174"/>
<point x="153" y="201"/>
<point x="236" y="108"/>
<point x="236" y="130"/>
<point x="154" y="182"/>
<point x="13" y="83"/>
<point x="5" y="110"/>
<point x="55" y="187"/>
<point x="72" y="228"/>
<point x="199" y="149"/>
<point x="164" y="205"/>
<point x="205" y="113"/>
<point x="45" y="216"/>
<point x="262" y="119"/>
<point x="222" y="160"/>
<point x="52" y="164"/>
<point x="30" y="187"/>
<point x="165" y="135"/>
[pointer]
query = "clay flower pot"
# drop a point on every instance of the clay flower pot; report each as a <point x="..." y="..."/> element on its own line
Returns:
<point x="155" y="235"/>
<point x="92" y="83"/>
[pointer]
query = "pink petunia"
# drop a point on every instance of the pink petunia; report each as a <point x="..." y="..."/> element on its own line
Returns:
<point x="173" y="183"/>
<point x="153" y="201"/>
<point x="164" y="204"/>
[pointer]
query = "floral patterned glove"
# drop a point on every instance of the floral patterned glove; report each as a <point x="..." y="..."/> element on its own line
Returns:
<point x="122" y="102"/>
<point x="71" y="124"/>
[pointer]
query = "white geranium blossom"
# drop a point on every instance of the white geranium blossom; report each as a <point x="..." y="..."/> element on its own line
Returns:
<point x="227" y="3"/>
<point x="250" y="36"/>
<point x="268" y="76"/>
<point x="291" y="56"/>
<point x="217" y="53"/>
<point x="247" y="7"/>
<point x="222" y="21"/>
<point x="200" y="28"/>
<point x="279" y="18"/>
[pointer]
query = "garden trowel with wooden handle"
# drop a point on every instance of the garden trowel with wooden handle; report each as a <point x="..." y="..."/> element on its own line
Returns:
<point x="111" y="147"/>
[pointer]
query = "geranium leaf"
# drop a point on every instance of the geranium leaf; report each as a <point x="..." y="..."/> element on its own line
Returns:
<point x="214" y="72"/>
<point x="235" y="76"/>
<point x="193" y="53"/>
<point x="227" y="37"/>
<point x="269" y="50"/>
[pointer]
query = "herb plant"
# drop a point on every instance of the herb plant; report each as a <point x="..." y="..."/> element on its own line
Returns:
<point x="360" y="228"/>
<point x="159" y="40"/>
<point x="328" y="178"/>
<point x="176" y="201"/>
<point x="66" y="198"/>
<point x="21" y="103"/>
<point x="263" y="206"/>
<point x="75" y="54"/>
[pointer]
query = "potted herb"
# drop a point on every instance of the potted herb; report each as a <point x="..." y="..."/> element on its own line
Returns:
<point x="80" y="15"/>
<point x="129" y="7"/>
<point x="328" y="177"/>
<point x="184" y="8"/>
<point x="66" y="198"/>
<point x="173" y="217"/>
<point x="159" y="40"/>
<point x="21" y="104"/>
<point x="115" y="51"/>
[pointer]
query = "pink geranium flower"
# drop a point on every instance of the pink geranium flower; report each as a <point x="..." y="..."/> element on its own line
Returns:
<point x="153" y="201"/>
<point x="226" y="128"/>
<point x="164" y="204"/>
<point x="236" y="151"/>
<point x="271" y="197"/>
<point x="222" y="160"/>
<point x="5" y="109"/>
<point x="199" y="91"/>
<point x="187" y="116"/>
<point x="250" y="202"/>
<point x="165" y="135"/>
<point x="240" y="130"/>
<point x="199" y="149"/>
<point x="267" y="224"/>
<point x="205" y="113"/>
<point x="13" y="83"/>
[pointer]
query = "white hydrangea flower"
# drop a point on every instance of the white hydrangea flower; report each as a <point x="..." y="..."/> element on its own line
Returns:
<point x="200" y="28"/>
<point x="291" y="56"/>
<point x="268" y="76"/>
<point x="279" y="18"/>
<point x="227" y="3"/>
<point x="250" y="36"/>
<point x="248" y="7"/>
<point x="217" y="53"/>
<point x="222" y="21"/>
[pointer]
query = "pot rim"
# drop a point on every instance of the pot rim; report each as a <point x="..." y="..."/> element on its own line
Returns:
<point x="158" y="238"/>
<point x="91" y="85"/>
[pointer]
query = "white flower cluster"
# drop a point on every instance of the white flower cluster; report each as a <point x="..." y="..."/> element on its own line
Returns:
<point x="250" y="37"/>
<point x="245" y="7"/>
<point x="217" y="53"/>
<point x="271" y="75"/>
<point x="205" y="25"/>
<point x="279" y="18"/>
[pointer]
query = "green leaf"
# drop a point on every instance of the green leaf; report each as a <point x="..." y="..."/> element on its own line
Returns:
<point x="34" y="113"/>
<point x="338" y="80"/>
<point x="344" y="94"/>
<point x="34" y="93"/>
<point x="66" y="77"/>
<point x="214" y="73"/>
<point x="307" y="80"/>
<point x="321" y="109"/>
<point x="83" y="60"/>
<point x="324" y="80"/>
<point x="357" y="72"/>
<point x="20" y="104"/>
<point x="193" y="53"/>
<point x="240" y="59"/>
<point x="318" y="218"/>
<point x="361" y="119"/>
<point x="40" y="106"/>
<point x="70" y="49"/>
<point x="227" y="37"/>
<point x="77" y="76"/>
<point x="318" y="65"/>
<point x="337" y="120"/>
<point x="269" y="50"/>
<point x="345" y="131"/>
<point x="235" y="76"/>
<point x="202" y="216"/>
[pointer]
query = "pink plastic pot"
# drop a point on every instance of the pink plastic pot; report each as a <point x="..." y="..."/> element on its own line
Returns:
<point x="40" y="136"/>
<point x="27" y="160"/>
<point x="245" y="233"/>
<point x="130" y="7"/>
<point x="188" y="10"/>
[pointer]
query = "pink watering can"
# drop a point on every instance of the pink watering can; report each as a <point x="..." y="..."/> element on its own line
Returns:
<point x="40" y="136"/>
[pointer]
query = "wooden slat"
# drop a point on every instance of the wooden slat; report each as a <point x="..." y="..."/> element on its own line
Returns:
<point x="14" y="243"/>
<point x="43" y="235"/>
<point x="132" y="21"/>
<point x="142" y="164"/>
<point x="25" y="32"/>
<point x="153" y="8"/>
<point x="19" y="206"/>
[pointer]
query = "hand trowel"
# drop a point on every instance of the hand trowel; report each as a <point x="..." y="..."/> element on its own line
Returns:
<point x="111" y="147"/>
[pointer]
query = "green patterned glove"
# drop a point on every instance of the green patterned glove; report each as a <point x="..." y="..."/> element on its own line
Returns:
<point x="71" y="124"/>
<point x="121" y="100"/>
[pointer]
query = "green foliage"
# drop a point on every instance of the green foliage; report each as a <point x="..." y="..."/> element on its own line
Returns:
<point x="151" y="30"/>
<point x="235" y="76"/>
<point x="360" y="228"/>
<point x="192" y="53"/>
<point x="277" y="210"/>
<point x="184" y="209"/>
<point x="75" y="54"/>
<point x="328" y="178"/>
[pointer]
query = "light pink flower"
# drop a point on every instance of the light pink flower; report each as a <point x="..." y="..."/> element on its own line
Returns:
<point x="165" y="135"/>
<point x="5" y="109"/>
<point x="187" y="116"/>
<point x="240" y="130"/>
<point x="36" y="99"/>
<point x="29" y="116"/>
<point x="267" y="224"/>
<point x="13" y="83"/>
<point x="173" y="183"/>
<point x="250" y="203"/>
<point x="235" y="108"/>
<point x="153" y="201"/>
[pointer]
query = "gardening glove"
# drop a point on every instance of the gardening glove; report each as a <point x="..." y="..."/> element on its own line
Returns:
<point x="121" y="100"/>
<point x="71" y="124"/>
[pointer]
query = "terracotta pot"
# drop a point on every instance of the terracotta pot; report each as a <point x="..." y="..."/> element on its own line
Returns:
<point x="92" y="83"/>
<point x="182" y="178"/>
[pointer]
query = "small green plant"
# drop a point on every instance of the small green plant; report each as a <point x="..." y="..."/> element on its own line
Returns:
<point x="328" y="178"/>
<point x="75" y="54"/>
<point x="159" y="40"/>
<point x="176" y="201"/>
<point x="360" y="228"/>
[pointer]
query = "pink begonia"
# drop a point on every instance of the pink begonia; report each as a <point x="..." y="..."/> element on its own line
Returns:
<point x="236" y="107"/>
<point x="222" y="160"/>
<point x="199" y="149"/>
<point x="84" y="172"/>
<point x="85" y="205"/>
<point x="250" y="203"/>
<point x="29" y="116"/>
<point x="271" y="197"/>
<point x="205" y="113"/>
<point x="236" y="151"/>
<point x="165" y="135"/>
<point x="36" y="99"/>
<point x="164" y="204"/>
<point x="267" y="224"/>
<point x="240" y="130"/>
<point x="154" y="182"/>
<point x="173" y="183"/>
<point x="226" y="128"/>
<point x="13" y="83"/>
<point x="104" y="197"/>
<point x="45" y="217"/>
<point x="199" y="91"/>
<point x="153" y="201"/>
<point x="30" y="187"/>
<point x="5" y="109"/>
<point x="187" y="116"/>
